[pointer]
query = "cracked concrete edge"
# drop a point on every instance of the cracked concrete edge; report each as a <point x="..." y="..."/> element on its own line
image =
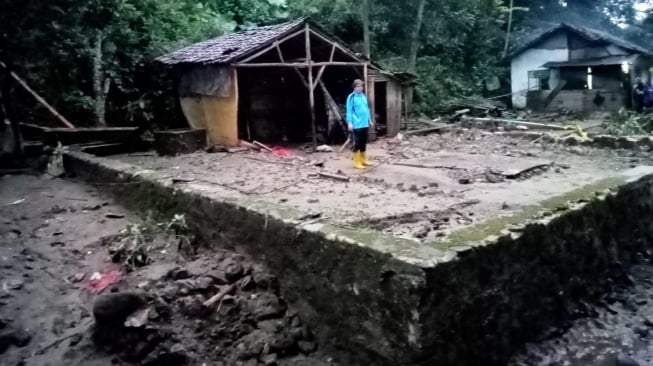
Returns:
<point x="512" y="225"/>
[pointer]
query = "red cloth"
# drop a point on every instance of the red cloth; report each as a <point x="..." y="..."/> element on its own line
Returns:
<point x="280" y="151"/>
<point x="106" y="279"/>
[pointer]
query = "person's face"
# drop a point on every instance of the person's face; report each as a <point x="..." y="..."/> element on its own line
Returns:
<point x="358" y="88"/>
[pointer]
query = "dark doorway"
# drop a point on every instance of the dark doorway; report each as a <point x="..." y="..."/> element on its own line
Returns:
<point x="380" y="111"/>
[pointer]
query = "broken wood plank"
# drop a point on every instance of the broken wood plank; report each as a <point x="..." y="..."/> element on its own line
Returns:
<point x="424" y="131"/>
<point x="262" y="146"/>
<point x="217" y="297"/>
<point x="339" y="177"/>
<point x="415" y="165"/>
<point x="268" y="161"/>
<point x="248" y="145"/>
<point x="516" y="122"/>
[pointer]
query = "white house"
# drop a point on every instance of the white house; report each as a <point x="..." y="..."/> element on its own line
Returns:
<point x="576" y="68"/>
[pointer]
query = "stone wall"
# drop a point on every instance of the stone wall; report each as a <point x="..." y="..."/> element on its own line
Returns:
<point x="383" y="307"/>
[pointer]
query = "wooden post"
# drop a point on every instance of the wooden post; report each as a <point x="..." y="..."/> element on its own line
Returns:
<point x="311" y="91"/>
<point x="22" y="83"/>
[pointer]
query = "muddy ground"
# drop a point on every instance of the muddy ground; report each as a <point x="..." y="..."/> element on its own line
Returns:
<point x="421" y="187"/>
<point x="55" y="234"/>
<point x="619" y="332"/>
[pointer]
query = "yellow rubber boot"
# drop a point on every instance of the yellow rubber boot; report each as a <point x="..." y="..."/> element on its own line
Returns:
<point x="364" y="160"/>
<point x="358" y="162"/>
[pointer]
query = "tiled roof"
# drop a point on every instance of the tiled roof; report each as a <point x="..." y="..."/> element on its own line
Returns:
<point x="230" y="47"/>
<point x="588" y="33"/>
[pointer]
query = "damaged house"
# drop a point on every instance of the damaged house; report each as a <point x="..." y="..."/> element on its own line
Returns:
<point x="577" y="68"/>
<point x="285" y="82"/>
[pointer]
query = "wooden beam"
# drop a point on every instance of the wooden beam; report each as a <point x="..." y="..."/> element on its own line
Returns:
<point x="276" y="44"/>
<point x="302" y="78"/>
<point x="22" y="83"/>
<point x="333" y="51"/>
<point x="342" y="49"/>
<point x="319" y="75"/>
<point x="266" y="49"/>
<point x="299" y="64"/>
<point x="311" y="91"/>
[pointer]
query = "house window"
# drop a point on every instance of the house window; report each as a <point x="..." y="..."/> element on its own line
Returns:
<point x="539" y="79"/>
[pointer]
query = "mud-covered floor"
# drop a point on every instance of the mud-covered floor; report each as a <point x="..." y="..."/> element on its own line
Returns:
<point x="420" y="188"/>
<point x="55" y="234"/>
<point x="618" y="332"/>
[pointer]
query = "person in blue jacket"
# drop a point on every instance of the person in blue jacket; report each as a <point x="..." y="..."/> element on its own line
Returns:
<point x="359" y="121"/>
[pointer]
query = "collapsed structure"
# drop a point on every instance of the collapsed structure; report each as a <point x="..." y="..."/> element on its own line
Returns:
<point x="277" y="83"/>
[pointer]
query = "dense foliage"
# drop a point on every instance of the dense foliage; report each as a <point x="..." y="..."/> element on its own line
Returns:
<point x="92" y="59"/>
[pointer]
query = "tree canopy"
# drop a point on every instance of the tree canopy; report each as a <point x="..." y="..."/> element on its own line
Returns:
<point x="92" y="59"/>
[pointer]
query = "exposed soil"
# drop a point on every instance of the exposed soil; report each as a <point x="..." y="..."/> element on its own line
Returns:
<point x="618" y="332"/>
<point x="55" y="234"/>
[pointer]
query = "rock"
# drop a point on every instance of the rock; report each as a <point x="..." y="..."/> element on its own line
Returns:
<point x="268" y="306"/>
<point x="307" y="347"/>
<point x="630" y="306"/>
<point x="282" y="343"/>
<point x="179" y="274"/>
<point x="161" y="308"/>
<point x="252" y="345"/>
<point x="648" y="321"/>
<point x="218" y="277"/>
<point x="170" y="293"/>
<point x="313" y="200"/>
<point x="624" y="360"/>
<point x="204" y="284"/>
<point x="138" y="318"/>
<point x="413" y="188"/>
<point x="270" y="359"/>
<point x="6" y="340"/>
<point x="250" y="362"/>
<point x="116" y="307"/>
<point x="493" y="178"/>
<point x="266" y="281"/>
<point x="641" y="331"/>
<point x="15" y="284"/>
<point x="233" y="272"/>
<point x="191" y="306"/>
<point x="18" y="337"/>
<point x="79" y="277"/>
<point x="464" y="181"/>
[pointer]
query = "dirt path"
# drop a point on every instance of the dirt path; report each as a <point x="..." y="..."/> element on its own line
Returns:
<point x="54" y="234"/>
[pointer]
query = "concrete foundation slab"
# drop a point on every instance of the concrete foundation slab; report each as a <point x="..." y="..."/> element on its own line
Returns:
<point x="499" y="263"/>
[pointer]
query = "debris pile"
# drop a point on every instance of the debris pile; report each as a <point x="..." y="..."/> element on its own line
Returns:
<point x="229" y="313"/>
<point x="476" y="106"/>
